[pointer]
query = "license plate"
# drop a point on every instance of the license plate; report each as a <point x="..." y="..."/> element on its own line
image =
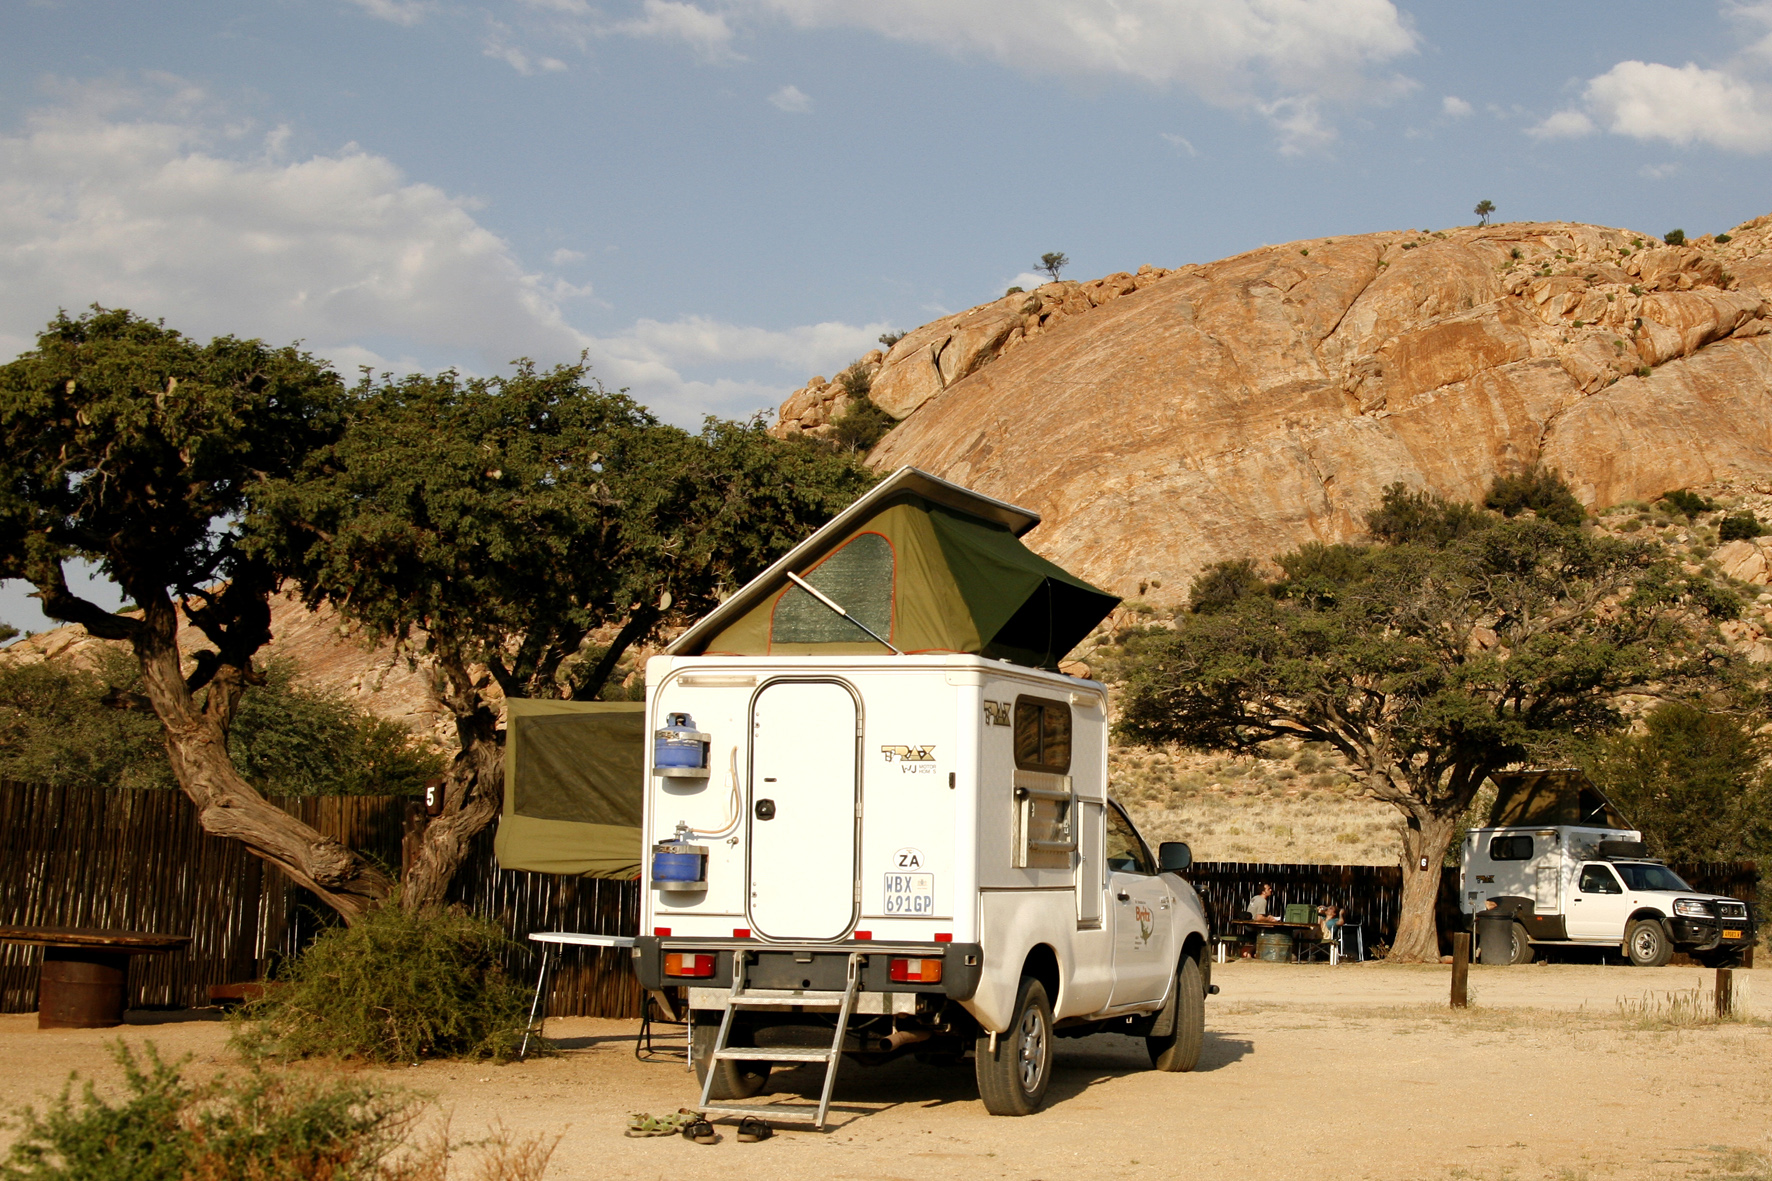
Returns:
<point x="910" y="894"/>
<point x="1731" y="934"/>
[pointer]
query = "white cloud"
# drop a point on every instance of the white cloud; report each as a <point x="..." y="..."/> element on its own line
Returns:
<point x="131" y="200"/>
<point x="1683" y="105"/>
<point x="1180" y="141"/>
<point x="1281" y="58"/>
<point x="1027" y="281"/>
<point x="399" y="12"/>
<point x="706" y="32"/>
<point x="563" y="257"/>
<point x="791" y="99"/>
<point x="1454" y="106"/>
<point x="1658" y="171"/>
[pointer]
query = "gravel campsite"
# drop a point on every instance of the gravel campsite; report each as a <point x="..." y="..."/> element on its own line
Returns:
<point x="1559" y="1071"/>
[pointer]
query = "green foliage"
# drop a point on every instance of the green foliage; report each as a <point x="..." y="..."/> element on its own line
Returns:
<point x="1319" y="572"/>
<point x="290" y="740"/>
<point x="1687" y="503"/>
<point x="862" y="425"/>
<point x="856" y="381"/>
<point x="64" y="726"/>
<point x="1422" y="518"/>
<point x="509" y="517"/>
<point x="1484" y="208"/>
<point x="1674" y="237"/>
<point x="888" y="339"/>
<point x="396" y="986"/>
<point x="1053" y="262"/>
<point x="1740" y="526"/>
<point x="1014" y="291"/>
<point x="262" y="1125"/>
<point x="1722" y="239"/>
<point x="1540" y="489"/>
<point x="7" y="632"/>
<point x="1693" y="782"/>
<point x="1220" y="586"/>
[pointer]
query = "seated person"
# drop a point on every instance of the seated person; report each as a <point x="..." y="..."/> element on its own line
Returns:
<point x="1263" y="908"/>
<point x="1329" y="918"/>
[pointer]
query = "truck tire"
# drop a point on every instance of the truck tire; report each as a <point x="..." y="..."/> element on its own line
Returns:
<point x="1181" y="1050"/>
<point x="1647" y="944"/>
<point x="1522" y="945"/>
<point x="732" y="1079"/>
<point x="1013" y="1080"/>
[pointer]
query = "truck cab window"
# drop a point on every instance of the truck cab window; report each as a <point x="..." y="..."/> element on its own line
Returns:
<point x="1042" y="735"/>
<point x="1125" y="852"/>
<point x="1598" y="879"/>
<point x="1644" y="876"/>
<point x="1516" y="848"/>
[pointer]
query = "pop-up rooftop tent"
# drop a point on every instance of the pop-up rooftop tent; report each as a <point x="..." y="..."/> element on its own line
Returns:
<point x="1551" y="796"/>
<point x="573" y="774"/>
<point x="928" y="566"/>
<point x="925" y="564"/>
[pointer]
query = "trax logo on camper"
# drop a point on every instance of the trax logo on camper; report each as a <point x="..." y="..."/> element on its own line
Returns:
<point x="996" y="713"/>
<point x="911" y="760"/>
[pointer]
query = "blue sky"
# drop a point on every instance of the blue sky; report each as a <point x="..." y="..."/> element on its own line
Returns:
<point x="717" y="199"/>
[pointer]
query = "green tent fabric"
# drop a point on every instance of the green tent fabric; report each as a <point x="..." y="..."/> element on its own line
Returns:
<point x="1551" y="795"/>
<point x="924" y="564"/>
<point x="574" y="773"/>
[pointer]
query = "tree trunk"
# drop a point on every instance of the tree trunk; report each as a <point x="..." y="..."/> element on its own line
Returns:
<point x="228" y="806"/>
<point x="472" y="798"/>
<point x="1424" y="837"/>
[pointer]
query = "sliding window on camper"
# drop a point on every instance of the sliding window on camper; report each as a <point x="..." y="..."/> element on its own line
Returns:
<point x="1045" y="808"/>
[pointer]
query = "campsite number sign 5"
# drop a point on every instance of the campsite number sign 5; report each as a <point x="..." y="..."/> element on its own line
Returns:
<point x="909" y="892"/>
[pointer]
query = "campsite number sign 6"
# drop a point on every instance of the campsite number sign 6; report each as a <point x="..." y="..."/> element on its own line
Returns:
<point x="909" y="892"/>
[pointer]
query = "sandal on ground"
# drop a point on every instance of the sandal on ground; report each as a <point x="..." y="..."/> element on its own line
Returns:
<point x="751" y="1129"/>
<point x="701" y="1132"/>
<point x="663" y="1125"/>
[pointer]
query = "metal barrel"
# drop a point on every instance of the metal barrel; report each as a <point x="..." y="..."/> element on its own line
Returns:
<point x="1495" y="938"/>
<point x="81" y="988"/>
<point x="1274" y="946"/>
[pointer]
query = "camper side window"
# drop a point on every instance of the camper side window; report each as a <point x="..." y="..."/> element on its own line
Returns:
<point x="1042" y="735"/>
<point x="1510" y="849"/>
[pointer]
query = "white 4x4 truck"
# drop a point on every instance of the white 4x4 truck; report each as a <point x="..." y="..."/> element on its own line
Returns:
<point x="1575" y="885"/>
<point x="872" y="855"/>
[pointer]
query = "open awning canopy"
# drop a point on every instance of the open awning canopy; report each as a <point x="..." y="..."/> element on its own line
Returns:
<point x="573" y="777"/>
<point x="926" y="564"/>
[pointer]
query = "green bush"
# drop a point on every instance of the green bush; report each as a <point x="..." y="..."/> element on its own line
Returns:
<point x="265" y="1126"/>
<point x="1422" y="518"/>
<point x="888" y="339"/>
<point x="395" y="987"/>
<point x="1221" y="584"/>
<point x="1540" y="489"/>
<point x="1688" y="504"/>
<point x="862" y="425"/>
<point x="1722" y="239"/>
<point x="1741" y="526"/>
<point x="1674" y="237"/>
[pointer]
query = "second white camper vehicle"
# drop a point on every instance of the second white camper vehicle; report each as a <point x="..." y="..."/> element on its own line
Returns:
<point x="867" y="855"/>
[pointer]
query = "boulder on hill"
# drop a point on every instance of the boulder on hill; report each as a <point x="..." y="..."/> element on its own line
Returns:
<point x="1169" y="419"/>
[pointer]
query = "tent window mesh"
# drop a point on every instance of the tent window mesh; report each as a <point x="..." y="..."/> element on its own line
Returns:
<point x="858" y="578"/>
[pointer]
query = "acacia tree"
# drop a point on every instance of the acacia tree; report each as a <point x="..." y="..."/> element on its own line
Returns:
<point x="498" y="523"/>
<point x="1484" y="208"/>
<point x="135" y="448"/>
<point x="1467" y="644"/>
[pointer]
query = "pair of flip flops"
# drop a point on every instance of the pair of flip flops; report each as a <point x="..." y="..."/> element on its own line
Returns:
<point x="662" y="1125"/>
<point x="750" y="1131"/>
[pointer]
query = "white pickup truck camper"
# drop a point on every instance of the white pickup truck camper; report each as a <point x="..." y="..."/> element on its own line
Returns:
<point x="877" y="820"/>
<point x="1560" y="861"/>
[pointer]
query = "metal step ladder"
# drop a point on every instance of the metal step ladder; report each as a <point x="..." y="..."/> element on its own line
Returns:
<point x="743" y="998"/>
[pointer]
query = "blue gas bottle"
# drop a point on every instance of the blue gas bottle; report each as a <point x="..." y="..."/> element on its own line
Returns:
<point x="679" y="865"/>
<point x="679" y="743"/>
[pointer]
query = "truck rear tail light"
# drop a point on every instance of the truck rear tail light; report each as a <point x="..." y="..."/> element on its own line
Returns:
<point x="688" y="963"/>
<point x="908" y="971"/>
<point x="864" y="934"/>
<point x="944" y="936"/>
<point x="741" y="932"/>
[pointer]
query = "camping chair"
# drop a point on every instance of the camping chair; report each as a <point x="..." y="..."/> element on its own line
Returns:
<point x="661" y="1007"/>
<point x="1351" y="941"/>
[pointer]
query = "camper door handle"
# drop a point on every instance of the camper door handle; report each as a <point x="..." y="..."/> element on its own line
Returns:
<point x="1123" y="896"/>
<point x="765" y="809"/>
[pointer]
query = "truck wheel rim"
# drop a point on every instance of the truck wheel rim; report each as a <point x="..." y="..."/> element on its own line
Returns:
<point x="1031" y="1050"/>
<point x="1644" y="945"/>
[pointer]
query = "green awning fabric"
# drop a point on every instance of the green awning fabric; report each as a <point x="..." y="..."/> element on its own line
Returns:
<point x="574" y="773"/>
<point x="929" y="577"/>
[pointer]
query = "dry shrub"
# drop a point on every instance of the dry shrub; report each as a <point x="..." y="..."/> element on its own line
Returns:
<point x="260" y="1126"/>
<point x="395" y="987"/>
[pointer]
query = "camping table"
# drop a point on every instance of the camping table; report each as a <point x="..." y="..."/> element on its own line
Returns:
<point x="1298" y="931"/>
<point x="558" y="939"/>
<point x="85" y="971"/>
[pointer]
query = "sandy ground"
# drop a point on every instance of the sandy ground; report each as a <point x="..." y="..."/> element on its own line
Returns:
<point x="1309" y="1071"/>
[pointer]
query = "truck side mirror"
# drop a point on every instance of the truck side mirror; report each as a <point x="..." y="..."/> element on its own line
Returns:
<point x="1174" y="856"/>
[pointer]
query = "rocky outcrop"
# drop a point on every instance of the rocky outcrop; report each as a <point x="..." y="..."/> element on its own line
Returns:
<point x="1164" y="420"/>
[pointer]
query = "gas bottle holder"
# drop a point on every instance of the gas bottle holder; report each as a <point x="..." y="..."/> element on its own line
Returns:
<point x="679" y="750"/>
<point x="679" y="867"/>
